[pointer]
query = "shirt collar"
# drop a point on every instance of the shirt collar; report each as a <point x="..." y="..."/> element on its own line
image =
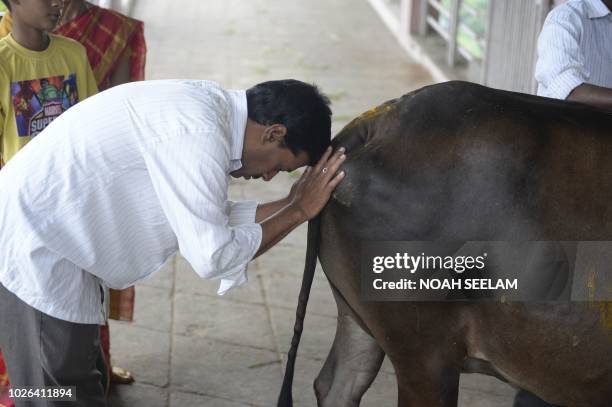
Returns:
<point x="596" y="9"/>
<point x="238" y="120"/>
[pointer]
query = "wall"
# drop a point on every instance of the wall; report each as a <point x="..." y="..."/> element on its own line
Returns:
<point x="511" y="53"/>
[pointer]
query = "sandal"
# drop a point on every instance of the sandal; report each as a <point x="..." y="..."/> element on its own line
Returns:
<point x="121" y="376"/>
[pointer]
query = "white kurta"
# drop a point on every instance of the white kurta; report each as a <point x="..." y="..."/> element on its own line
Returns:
<point x="115" y="186"/>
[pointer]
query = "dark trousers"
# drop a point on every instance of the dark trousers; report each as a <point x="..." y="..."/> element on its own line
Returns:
<point x="41" y="351"/>
<point x="525" y="399"/>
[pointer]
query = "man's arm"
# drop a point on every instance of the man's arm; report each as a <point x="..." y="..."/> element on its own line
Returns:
<point x="592" y="95"/>
<point x="278" y="226"/>
<point x="264" y="211"/>
<point x="561" y="62"/>
<point x="196" y="207"/>
<point x="308" y="197"/>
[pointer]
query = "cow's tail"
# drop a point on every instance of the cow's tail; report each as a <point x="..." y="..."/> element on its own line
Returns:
<point x="285" y="399"/>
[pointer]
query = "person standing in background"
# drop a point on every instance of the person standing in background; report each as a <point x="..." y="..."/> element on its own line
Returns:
<point x="115" y="43"/>
<point x="574" y="53"/>
<point x="41" y="76"/>
<point x="116" y="50"/>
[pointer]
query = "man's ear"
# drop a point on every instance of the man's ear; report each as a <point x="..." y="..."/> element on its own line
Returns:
<point x="275" y="133"/>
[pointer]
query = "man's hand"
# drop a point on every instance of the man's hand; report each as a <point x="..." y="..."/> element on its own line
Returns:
<point x="307" y="198"/>
<point x="311" y="192"/>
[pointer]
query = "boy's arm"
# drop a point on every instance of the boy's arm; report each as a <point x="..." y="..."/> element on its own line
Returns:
<point x="1" y="136"/>
<point x="6" y="24"/>
<point x="3" y="85"/>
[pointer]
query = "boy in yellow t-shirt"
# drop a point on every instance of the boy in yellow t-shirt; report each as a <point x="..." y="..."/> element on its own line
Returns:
<point x="41" y="74"/>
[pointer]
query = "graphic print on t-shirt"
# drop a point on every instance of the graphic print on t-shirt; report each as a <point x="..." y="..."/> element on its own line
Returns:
<point x="37" y="102"/>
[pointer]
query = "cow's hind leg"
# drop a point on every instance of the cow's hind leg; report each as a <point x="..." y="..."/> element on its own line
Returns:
<point x="352" y="363"/>
<point x="424" y="384"/>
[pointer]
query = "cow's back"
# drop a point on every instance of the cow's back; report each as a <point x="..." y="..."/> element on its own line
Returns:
<point x="462" y="161"/>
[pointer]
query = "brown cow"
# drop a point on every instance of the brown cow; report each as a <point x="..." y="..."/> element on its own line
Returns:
<point x="462" y="162"/>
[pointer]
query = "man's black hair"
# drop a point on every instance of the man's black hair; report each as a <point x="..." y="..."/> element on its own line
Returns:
<point x="300" y="107"/>
<point x="7" y="4"/>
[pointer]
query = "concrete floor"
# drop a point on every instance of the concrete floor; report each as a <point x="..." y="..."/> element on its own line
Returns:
<point x="189" y="347"/>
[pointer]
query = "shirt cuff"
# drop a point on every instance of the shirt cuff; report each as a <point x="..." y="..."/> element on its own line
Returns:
<point x="562" y="85"/>
<point x="236" y="280"/>
<point x="242" y="212"/>
<point x="238" y="275"/>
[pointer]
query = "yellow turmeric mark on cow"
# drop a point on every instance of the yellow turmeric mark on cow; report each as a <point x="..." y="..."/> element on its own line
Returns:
<point x="372" y="113"/>
<point x="604" y="308"/>
<point x="377" y="111"/>
<point x="590" y="284"/>
<point x="605" y="315"/>
<point x="344" y="193"/>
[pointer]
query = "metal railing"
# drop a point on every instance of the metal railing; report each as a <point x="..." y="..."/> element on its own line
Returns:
<point x="461" y="23"/>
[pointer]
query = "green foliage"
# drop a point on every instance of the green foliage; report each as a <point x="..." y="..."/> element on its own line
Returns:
<point x="2" y="8"/>
<point x="472" y="14"/>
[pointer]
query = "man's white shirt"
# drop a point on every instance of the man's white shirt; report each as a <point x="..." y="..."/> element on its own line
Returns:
<point x="574" y="47"/>
<point x="119" y="183"/>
